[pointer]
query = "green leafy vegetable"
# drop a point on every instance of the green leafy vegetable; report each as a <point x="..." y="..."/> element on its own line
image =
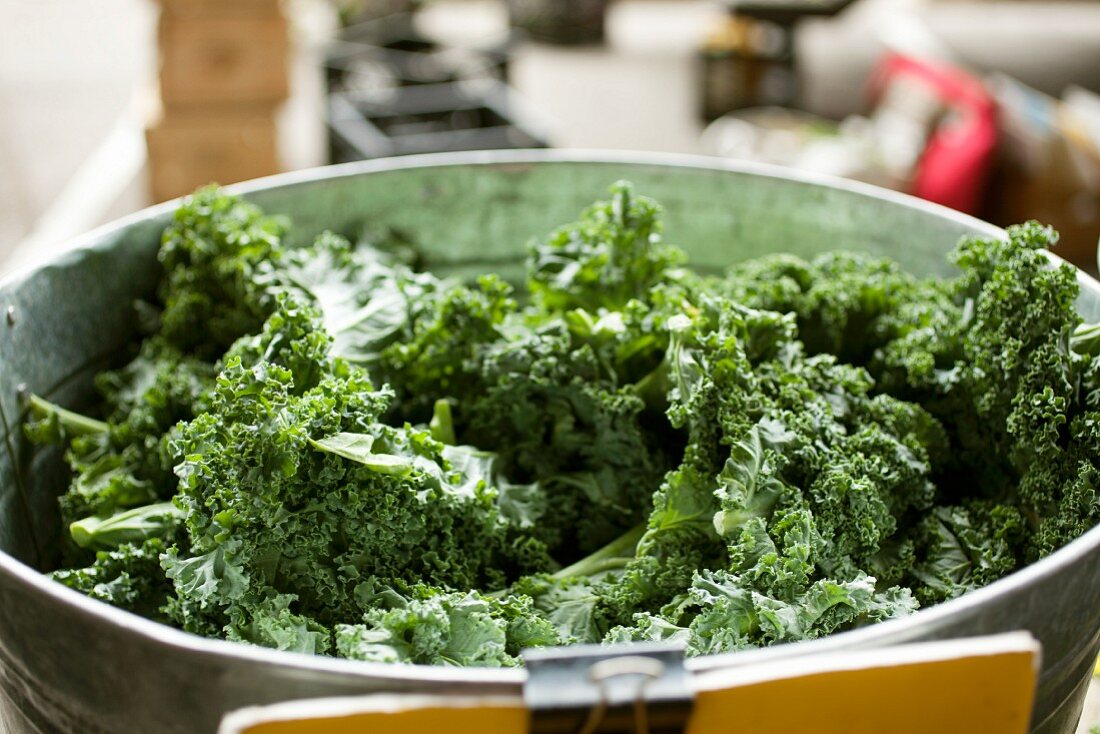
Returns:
<point x="320" y="449"/>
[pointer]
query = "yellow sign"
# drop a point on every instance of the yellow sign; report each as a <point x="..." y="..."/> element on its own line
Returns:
<point x="962" y="686"/>
<point x="984" y="684"/>
<point x="392" y="714"/>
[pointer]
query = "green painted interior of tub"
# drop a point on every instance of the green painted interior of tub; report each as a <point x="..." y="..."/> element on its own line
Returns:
<point x="475" y="218"/>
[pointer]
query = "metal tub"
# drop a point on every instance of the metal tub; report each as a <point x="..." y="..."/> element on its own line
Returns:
<point x="68" y="663"/>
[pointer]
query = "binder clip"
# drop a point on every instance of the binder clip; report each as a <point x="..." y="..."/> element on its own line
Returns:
<point x="630" y="689"/>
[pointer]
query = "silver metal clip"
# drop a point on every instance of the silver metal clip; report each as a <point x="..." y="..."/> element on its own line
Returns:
<point x="636" y="688"/>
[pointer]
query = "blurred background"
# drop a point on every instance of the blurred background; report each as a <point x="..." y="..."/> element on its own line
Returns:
<point x="989" y="107"/>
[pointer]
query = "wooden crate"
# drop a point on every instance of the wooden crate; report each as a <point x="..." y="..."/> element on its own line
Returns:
<point x="188" y="149"/>
<point x="219" y="7"/>
<point x="221" y="59"/>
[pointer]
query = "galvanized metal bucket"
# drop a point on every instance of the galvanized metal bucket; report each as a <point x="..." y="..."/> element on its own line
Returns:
<point x="68" y="663"/>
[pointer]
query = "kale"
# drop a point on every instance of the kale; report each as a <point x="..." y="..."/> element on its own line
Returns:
<point x="128" y="576"/>
<point x="321" y="449"/>
<point x="611" y="255"/>
<point x="218" y="256"/>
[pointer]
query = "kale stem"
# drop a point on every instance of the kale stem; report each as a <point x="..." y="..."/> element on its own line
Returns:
<point x="612" y="556"/>
<point x="73" y="423"/>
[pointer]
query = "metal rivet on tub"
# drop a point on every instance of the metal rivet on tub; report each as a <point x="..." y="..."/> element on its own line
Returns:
<point x="11" y="315"/>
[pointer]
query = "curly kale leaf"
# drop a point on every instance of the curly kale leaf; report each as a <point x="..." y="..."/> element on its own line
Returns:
<point x="612" y="254"/>
<point x="271" y="622"/>
<point x="747" y="486"/>
<point x="437" y="356"/>
<point x="583" y="441"/>
<point x="768" y="596"/>
<point x="733" y="616"/>
<point x="964" y="548"/>
<point x="1017" y="356"/>
<point x="366" y="299"/>
<point x="432" y="626"/>
<point x="219" y="254"/>
<point x="839" y="297"/>
<point x="128" y="576"/>
<point x="292" y="465"/>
